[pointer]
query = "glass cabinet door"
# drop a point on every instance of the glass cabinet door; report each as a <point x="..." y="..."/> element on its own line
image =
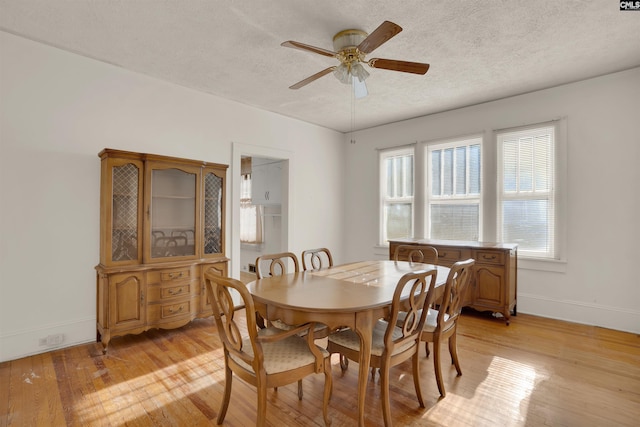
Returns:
<point x="213" y="215"/>
<point x="172" y="212"/>
<point x="126" y="185"/>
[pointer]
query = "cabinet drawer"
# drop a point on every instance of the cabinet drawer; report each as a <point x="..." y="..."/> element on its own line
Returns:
<point x="170" y="290"/>
<point x="172" y="311"/>
<point x="489" y="257"/>
<point x="158" y="276"/>
<point x="167" y="275"/>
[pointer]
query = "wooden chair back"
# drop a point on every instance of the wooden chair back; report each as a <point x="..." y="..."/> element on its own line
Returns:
<point x="316" y="259"/>
<point x="451" y="303"/>
<point x="417" y="253"/>
<point x="275" y="264"/>
<point x="412" y="296"/>
<point x="224" y="312"/>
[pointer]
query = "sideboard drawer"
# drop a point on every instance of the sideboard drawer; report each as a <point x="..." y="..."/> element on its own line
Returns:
<point x="449" y="255"/>
<point x="489" y="257"/>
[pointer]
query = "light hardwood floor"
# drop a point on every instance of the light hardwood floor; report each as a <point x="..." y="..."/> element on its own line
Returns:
<point x="535" y="372"/>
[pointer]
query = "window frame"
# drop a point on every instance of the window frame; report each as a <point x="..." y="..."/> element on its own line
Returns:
<point x="555" y="194"/>
<point x="385" y="201"/>
<point x="429" y="200"/>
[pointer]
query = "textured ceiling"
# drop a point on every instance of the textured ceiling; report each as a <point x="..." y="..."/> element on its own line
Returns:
<point x="478" y="50"/>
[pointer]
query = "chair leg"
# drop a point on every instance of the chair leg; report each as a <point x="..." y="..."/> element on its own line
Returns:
<point x="436" y="366"/>
<point x="384" y="395"/>
<point x="453" y="351"/>
<point x="228" y="376"/>
<point x="299" y="389"/>
<point x="415" y="360"/>
<point x="261" y="413"/>
<point x="344" y="362"/>
<point x="328" y="389"/>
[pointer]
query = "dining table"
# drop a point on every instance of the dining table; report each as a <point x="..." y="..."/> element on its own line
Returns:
<point x="353" y="295"/>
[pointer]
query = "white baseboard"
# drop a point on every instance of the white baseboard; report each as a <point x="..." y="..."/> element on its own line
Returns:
<point x="580" y="312"/>
<point x="27" y="342"/>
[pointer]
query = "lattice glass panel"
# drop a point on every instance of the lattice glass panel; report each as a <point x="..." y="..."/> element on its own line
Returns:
<point x="212" y="214"/>
<point x="124" y="235"/>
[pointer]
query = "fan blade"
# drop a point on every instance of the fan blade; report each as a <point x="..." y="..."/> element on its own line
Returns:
<point x="309" y="48"/>
<point x="380" y="35"/>
<point x="309" y="79"/>
<point x="404" y="66"/>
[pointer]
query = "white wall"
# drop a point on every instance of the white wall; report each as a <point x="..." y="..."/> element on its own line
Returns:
<point x="57" y="111"/>
<point x="599" y="283"/>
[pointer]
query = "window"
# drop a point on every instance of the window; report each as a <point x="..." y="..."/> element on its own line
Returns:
<point x="439" y="191"/>
<point x="527" y="190"/>
<point x="250" y="215"/>
<point x="453" y="208"/>
<point x="396" y="185"/>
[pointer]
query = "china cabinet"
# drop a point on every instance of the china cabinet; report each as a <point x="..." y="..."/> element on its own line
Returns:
<point x="494" y="283"/>
<point x="162" y="225"/>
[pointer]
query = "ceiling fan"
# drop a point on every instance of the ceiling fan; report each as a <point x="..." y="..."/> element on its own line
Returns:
<point x="351" y="47"/>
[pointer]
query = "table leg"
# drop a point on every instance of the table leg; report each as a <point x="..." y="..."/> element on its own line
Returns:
<point x="364" y="328"/>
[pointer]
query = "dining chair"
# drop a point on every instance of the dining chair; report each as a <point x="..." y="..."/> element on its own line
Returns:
<point x="269" y="265"/>
<point x="315" y="259"/>
<point x="417" y="253"/>
<point x="442" y="323"/>
<point x="276" y="264"/>
<point x="393" y="342"/>
<point x="264" y="358"/>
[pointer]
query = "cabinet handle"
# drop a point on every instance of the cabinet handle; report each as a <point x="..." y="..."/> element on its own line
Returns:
<point x="172" y="292"/>
<point x="488" y="257"/>
<point x="178" y="310"/>
<point x="173" y="276"/>
<point x="266" y="195"/>
<point x="141" y="296"/>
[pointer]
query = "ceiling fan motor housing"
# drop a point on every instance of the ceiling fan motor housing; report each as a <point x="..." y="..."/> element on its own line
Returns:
<point x="345" y="44"/>
<point x="348" y="38"/>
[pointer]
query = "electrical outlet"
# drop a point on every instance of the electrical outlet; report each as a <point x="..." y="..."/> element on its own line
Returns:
<point x="51" y="340"/>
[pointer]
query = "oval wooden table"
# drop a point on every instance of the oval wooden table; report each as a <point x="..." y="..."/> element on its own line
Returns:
<point x="353" y="295"/>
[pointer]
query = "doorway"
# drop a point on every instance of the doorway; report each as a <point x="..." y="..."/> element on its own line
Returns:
<point x="273" y="169"/>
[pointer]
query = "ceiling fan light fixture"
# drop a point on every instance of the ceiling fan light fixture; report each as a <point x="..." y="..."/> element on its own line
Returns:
<point x="357" y="70"/>
<point x="342" y="73"/>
